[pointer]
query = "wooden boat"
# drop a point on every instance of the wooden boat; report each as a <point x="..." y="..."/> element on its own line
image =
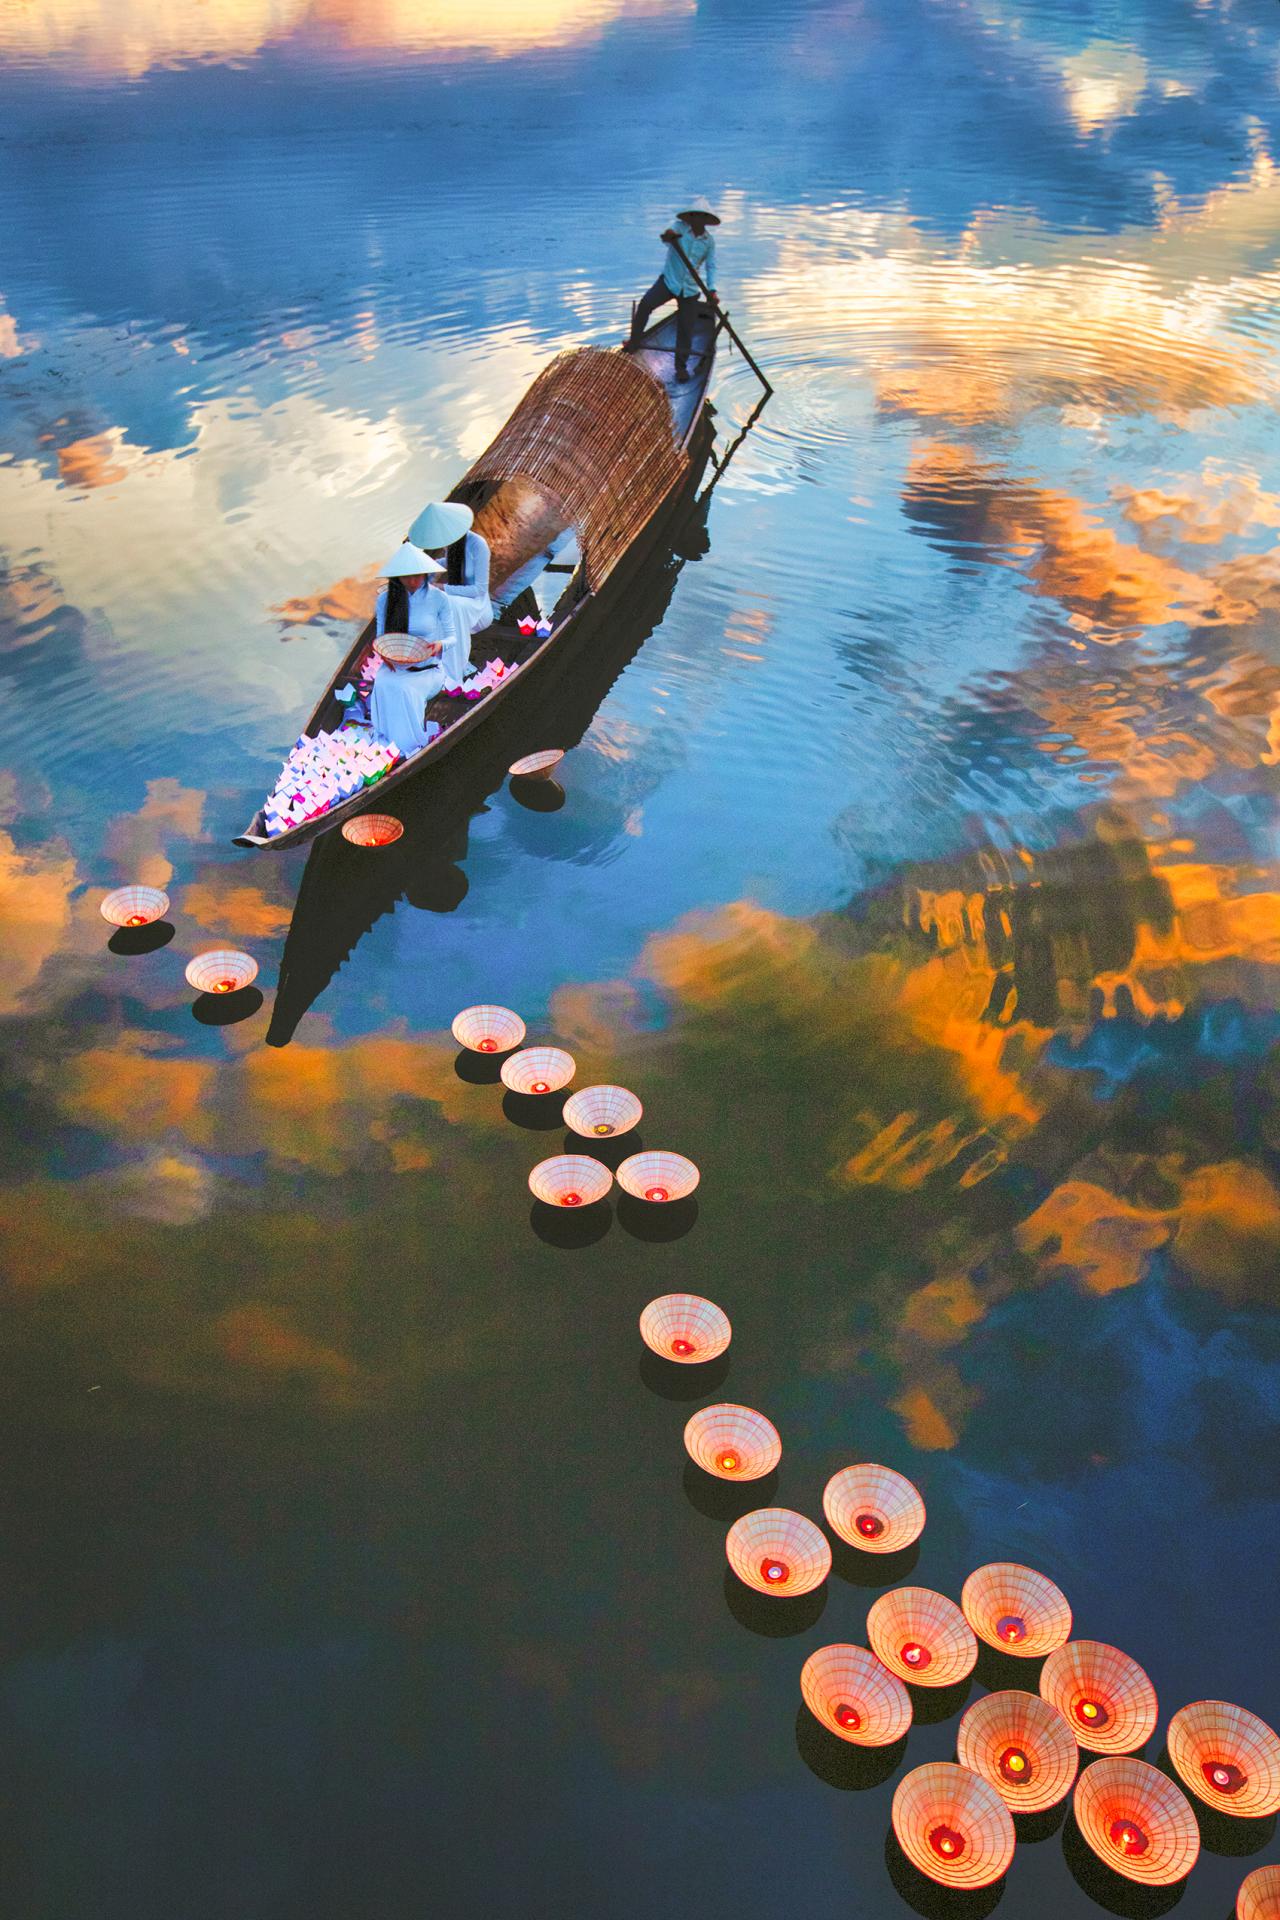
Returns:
<point x="597" y="446"/>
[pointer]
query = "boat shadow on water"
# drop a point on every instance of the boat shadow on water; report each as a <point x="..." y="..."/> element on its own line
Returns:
<point x="346" y="890"/>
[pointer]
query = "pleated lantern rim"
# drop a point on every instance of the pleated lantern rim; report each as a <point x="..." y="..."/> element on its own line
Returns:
<point x="764" y="1537"/>
<point x="845" y="1508"/>
<point x="1126" y="1783"/>
<point x="670" y="1326"/>
<point x="750" y="1447"/>
<point x="535" y="765"/>
<point x="1251" y="1788"/>
<point x="221" y="970"/>
<point x="134" y="906"/>
<point x="490" y="1019"/>
<point x="659" y="1176"/>
<point x="372" y="829"/>
<point x="554" y="1071"/>
<point x="587" y="1112"/>
<point x="1120" y="1733"/>
<point x="1031" y="1766"/>
<point x="928" y="1807"/>
<point x="936" y="1667"/>
<point x="1259" y="1895"/>
<point x="1004" y="1622"/>
<point x="570" y="1180"/>
<point x="855" y="1697"/>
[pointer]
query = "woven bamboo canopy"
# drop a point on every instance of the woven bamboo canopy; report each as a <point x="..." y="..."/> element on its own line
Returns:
<point x="595" y="433"/>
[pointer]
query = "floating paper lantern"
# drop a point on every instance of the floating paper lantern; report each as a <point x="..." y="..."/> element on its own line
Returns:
<point x="536" y="766"/>
<point x="658" y="1176"/>
<point x="1016" y="1609"/>
<point x="527" y="624"/>
<point x="538" y="1070"/>
<point x="1137" y="1821"/>
<point x="372" y="830"/>
<point x="854" y="1697"/>
<point x="873" y="1508"/>
<point x="777" y="1551"/>
<point x="221" y="970"/>
<point x="734" y="1443"/>
<point x="1259" y="1895"/>
<point x="1023" y="1746"/>
<point x="953" y="1825"/>
<point x="570" y="1180"/>
<point x="1104" y="1696"/>
<point x="600" y="1112"/>
<point x="486" y="1029"/>
<point x="1228" y="1757"/>
<point x="685" y="1327"/>
<point x="405" y="649"/>
<point x="921" y="1636"/>
<point x="135" y="906"/>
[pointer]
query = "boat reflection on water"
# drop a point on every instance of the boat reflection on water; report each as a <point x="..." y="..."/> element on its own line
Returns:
<point x="345" y="890"/>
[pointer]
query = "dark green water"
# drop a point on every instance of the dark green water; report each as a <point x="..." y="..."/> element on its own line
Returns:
<point x="917" y="867"/>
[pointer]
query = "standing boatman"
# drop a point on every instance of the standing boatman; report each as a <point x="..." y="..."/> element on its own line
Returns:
<point x="692" y="234"/>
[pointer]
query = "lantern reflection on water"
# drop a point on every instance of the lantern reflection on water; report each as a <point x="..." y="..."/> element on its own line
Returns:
<point x="134" y="906"/>
<point x="1022" y="1745"/>
<point x="921" y="1636"/>
<point x="538" y="1070"/>
<point x="1105" y="1697"/>
<point x="1016" y="1609"/>
<point x="777" y="1551"/>
<point x="873" y="1508"/>
<point x="953" y="1825"/>
<point x="221" y="970"/>
<point x="1137" y="1821"/>
<point x="685" y="1327"/>
<point x="488" y="1029"/>
<point x="732" y="1442"/>
<point x="1228" y="1757"/>
<point x="854" y="1696"/>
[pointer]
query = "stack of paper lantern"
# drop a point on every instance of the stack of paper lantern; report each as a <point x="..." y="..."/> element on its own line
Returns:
<point x="324" y="770"/>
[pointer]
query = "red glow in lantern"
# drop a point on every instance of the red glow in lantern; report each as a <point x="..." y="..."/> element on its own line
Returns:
<point x="1011" y="1628"/>
<point x="570" y="1199"/>
<point x="487" y="1046"/>
<point x="136" y="920"/>
<point x="869" y="1525"/>
<point x="1223" y="1776"/>
<point x="1128" y="1836"/>
<point x="947" y="1843"/>
<point x="602" y="1127"/>
<point x="682" y="1346"/>
<point x="914" y="1655"/>
<point x="655" y="1193"/>
<point x="224" y="986"/>
<point x="1014" y="1766"/>
<point x="1091" y="1713"/>
<point x="848" y="1716"/>
<point x="540" y="1086"/>
<point x="776" y="1572"/>
<point x="728" y="1462"/>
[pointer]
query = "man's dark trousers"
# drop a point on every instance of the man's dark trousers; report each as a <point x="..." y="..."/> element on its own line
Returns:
<point x="686" y="304"/>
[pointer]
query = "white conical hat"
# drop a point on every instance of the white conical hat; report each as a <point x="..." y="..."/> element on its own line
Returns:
<point x="441" y="523"/>
<point x="410" y="559"/>
<point x="700" y="205"/>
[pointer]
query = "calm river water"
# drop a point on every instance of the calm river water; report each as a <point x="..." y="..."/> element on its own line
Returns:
<point x="917" y="866"/>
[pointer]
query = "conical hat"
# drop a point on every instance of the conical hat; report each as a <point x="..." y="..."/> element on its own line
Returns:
<point x="410" y="559"/>
<point x="441" y="523"/>
<point x="701" y="206"/>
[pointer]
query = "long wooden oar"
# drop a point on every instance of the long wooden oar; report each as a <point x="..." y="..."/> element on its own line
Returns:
<point x="725" y="321"/>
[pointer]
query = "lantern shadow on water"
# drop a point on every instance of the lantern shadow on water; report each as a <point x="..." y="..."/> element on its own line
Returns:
<point x="478" y="1069"/>
<point x="537" y="796"/>
<point x="670" y="1381"/>
<point x="1032" y="1828"/>
<point x="726" y="1500"/>
<point x="610" y="1153"/>
<point x="657" y="1225"/>
<point x="924" y="1896"/>
<point x="130" y="942"/>
<point x="769" y="1615"/>
<point x="996" y="1670"/>
<point x="870" y="1570"/>
<point x="537" y="1113"/>
<point x="841" y="1765"/>
<point x="226" y="1009"/>
<point x="932" y="1705"/>
<point x="570" y="1228"/>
